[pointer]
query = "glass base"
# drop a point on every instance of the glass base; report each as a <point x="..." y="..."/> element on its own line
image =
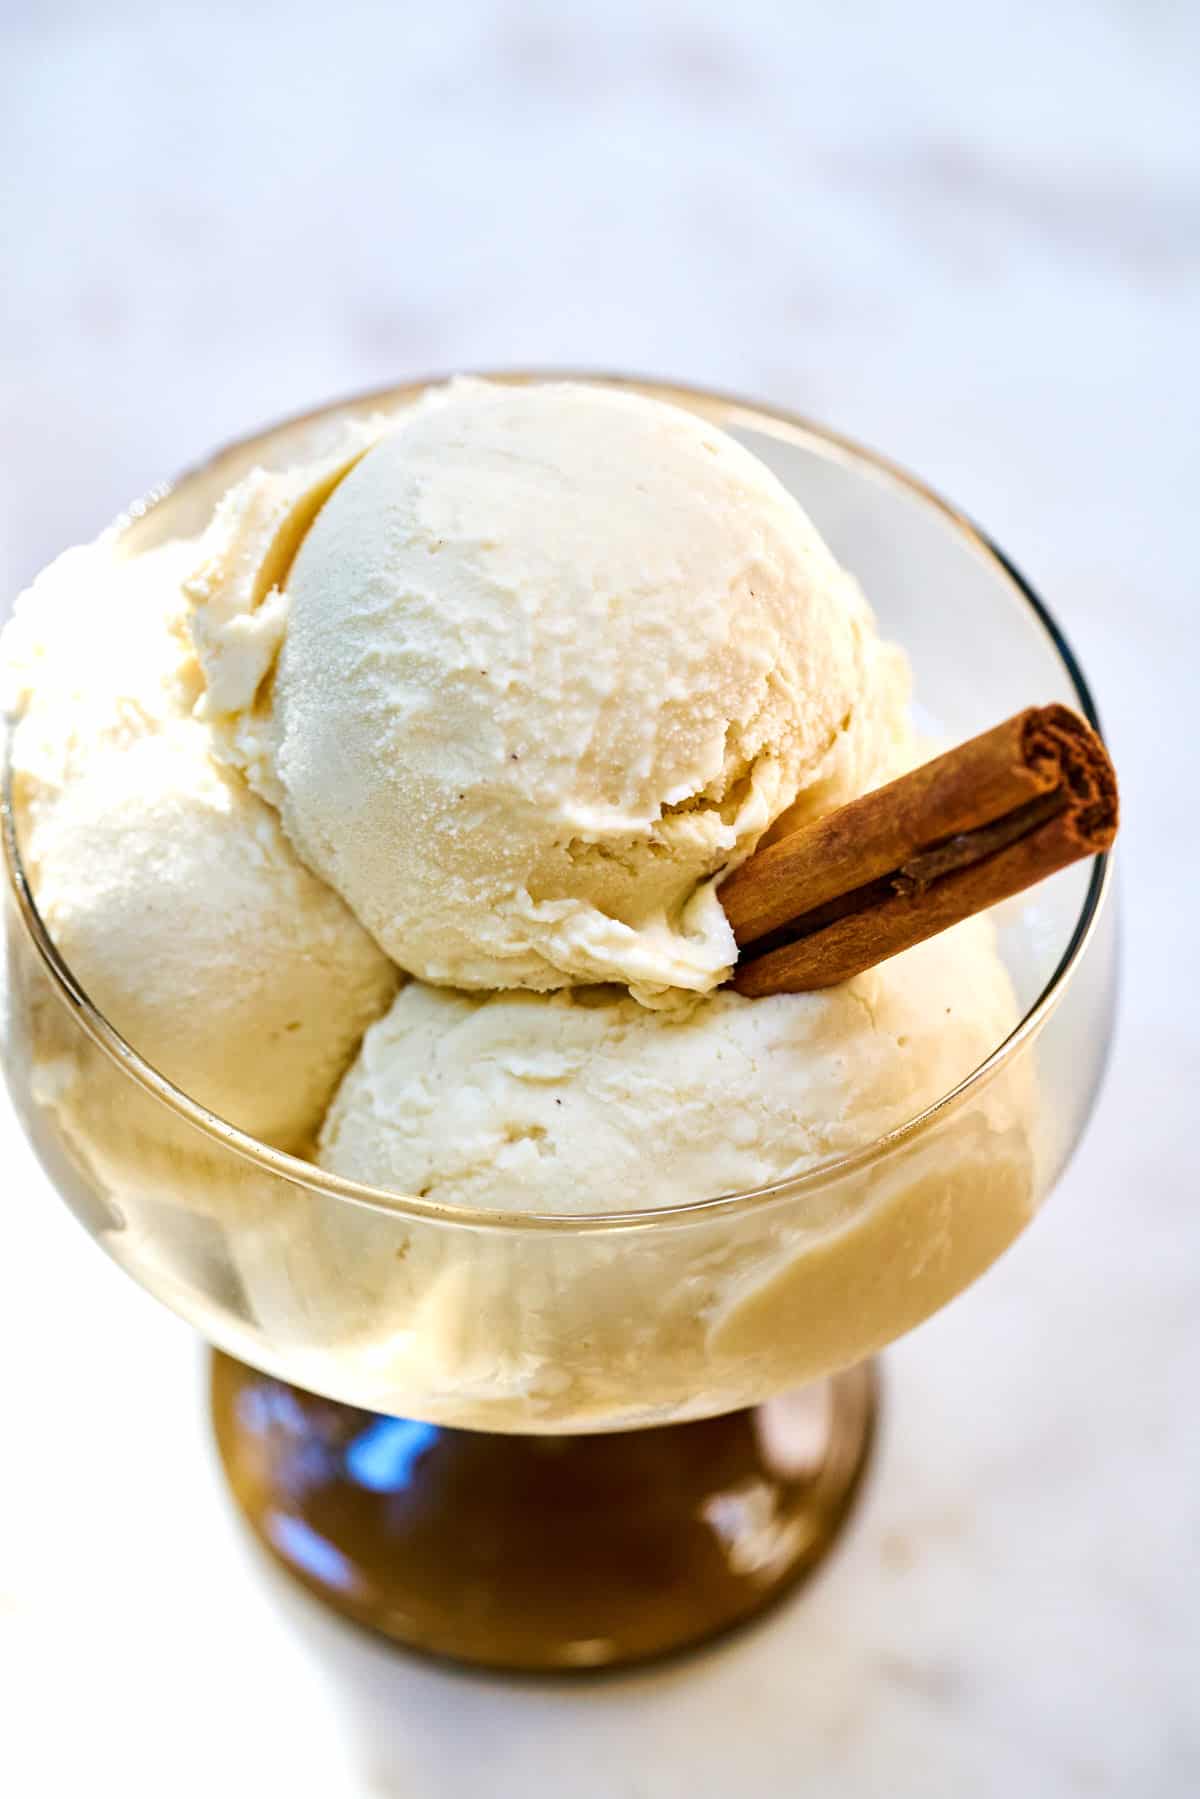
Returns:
<point x="544" y="1552"/>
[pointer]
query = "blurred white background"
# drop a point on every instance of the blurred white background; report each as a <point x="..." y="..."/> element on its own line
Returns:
<point x="969" y="236"/>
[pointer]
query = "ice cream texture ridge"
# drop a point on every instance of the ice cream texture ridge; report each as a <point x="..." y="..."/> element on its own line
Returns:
<point x="386" y="818"/>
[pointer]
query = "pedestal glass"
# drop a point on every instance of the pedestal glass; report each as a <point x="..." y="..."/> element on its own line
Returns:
<point x="553" y="1441"/>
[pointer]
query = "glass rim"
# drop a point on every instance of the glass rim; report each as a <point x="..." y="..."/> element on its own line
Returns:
<point x="730" y="408"/>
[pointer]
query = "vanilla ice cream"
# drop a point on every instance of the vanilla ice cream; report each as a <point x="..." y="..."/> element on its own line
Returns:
<point x="494" y="692"/>
<point x="167" y="885"/>
<point x="585" y="1101"/>
<point x="549" y="659"/>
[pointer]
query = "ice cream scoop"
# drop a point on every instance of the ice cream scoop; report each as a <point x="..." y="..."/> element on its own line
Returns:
<point x="585" y="1101"/>
<point x="549" y="658"/>
<point x="167" y="885"/>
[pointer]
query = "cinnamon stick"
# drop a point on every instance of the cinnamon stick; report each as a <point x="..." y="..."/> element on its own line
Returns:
<point x="898" y="865"/>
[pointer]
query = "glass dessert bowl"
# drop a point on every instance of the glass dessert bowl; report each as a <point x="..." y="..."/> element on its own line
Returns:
<point x="552" y="1440"/>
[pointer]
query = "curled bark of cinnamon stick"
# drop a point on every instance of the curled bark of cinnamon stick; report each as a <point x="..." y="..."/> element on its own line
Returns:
<point x="953" y="837"/>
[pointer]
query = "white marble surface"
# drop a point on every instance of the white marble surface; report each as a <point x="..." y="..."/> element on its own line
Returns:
<point x="970" y="236"/>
